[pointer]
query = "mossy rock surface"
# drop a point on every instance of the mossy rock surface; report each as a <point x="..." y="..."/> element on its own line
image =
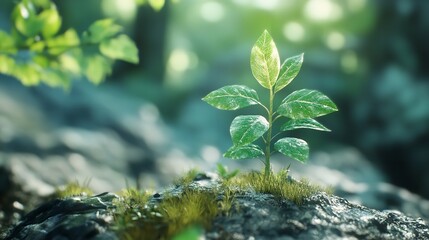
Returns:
<point x="251" y="215"/>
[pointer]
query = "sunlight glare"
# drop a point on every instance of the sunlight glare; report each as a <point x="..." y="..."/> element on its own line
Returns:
<point x="349" y="62"/>
<point x="125" y="10"/>
<point x="212" y="11"/>
<point x="262" y="4"/>
<point x="210" y="154"/>
<point x="335" y="40"/>
<point x="356" y="5"/>
<point x="323" y="10"/>
<point x="294" y="31"/>
<point x="181" y="60"/>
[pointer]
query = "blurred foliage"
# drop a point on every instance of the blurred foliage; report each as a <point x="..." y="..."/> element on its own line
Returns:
<point x="194" y="232"/>
<point x="35" y="52"/>
<point x="155" y="4"/>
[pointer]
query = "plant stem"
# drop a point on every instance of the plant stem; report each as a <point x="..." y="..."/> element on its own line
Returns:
<point x="268" y="137"/>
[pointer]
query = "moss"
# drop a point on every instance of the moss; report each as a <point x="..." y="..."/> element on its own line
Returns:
<point x="73" y="189"/>
<point x="187" y="179"/>
<point x="133" y="217"/>
<point x="278" y="185"/>
<point x="139" y="213"/>
<point x="191" y="207"/>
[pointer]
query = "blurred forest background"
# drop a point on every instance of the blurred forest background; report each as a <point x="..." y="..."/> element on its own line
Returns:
<point x="370" y="57"/>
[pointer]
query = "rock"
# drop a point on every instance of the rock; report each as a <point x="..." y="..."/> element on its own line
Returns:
<point x="254" y="216"/>
<point x="97" y="136"/>
<point x="73" y="218"/>
<point x="352" y="177"/>
<point x="355" y="178"/>
<point x="261" y="216"/>
<point x="88" y="133"/>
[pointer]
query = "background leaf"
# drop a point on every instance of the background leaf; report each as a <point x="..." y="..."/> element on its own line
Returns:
<point x="63" y="42"/>
<point x="6" y="64"/>
<point x="232" y="97"/>
<point x="306" y="103"/>
<point x="288" y="71"/>
<point x="51" y="22"/>
<point x="27" y="73"/>
<point x="294" y="148"/>
<point x="244" y="152"/>
<point x="121" y="47"/>
<point x="303" y="123"/>
<point x="101" y="30"/>
<point x="265" y="61"/>
<point x="246" y="129"/>
<point x="97" y="67"/>
<point x="25" y="19"/>
<point x="56" y="78"/>
<point x="157" y="5"/>
<point x="7" y="43"/>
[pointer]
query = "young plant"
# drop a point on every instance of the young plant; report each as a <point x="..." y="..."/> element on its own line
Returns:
<point x="224" y="173"/>
<point x="299" y="108"/>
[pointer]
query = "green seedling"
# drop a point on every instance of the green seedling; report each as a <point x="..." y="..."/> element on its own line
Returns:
<point x="299" y="108"/>
<point x="224" y="173"/>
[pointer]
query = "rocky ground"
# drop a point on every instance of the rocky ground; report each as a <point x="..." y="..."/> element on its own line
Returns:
<point x="254" y="216"/>
<point x="102" y="137"/>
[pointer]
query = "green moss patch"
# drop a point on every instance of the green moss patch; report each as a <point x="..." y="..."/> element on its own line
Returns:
<point x="139" y="214"/>
<point x="150" y="215"/>
<point x="73" y="189"/>
<point x="278" y="185"/>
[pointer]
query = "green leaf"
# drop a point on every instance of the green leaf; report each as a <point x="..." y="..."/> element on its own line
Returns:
<point x="41" y="60"/>
<point x="37" y="46"/>
<point x="157" y="5"/>
<point x="288" y="71"/>
<point x="26" y="20"/>
<point x="303" y="123"/>
<point x="232" y="97"/>
<point x="244" y="152"/>
<point x="51" y="21"/>
<point x="221" y="170"/>
<point x="265" y="61"/>
<point x="294" y="148"/>
<point x="70" y="62"/>
<point x="246" y="129"/>
<point x="121" y="47"/>
<point x="101" y="30"/>
<point x="97" y="67"/>
<point x="63" y="42"/>
<point x="306" y="103"/>
<point x="56" y="78"/>
<point x="7" y="43"/>
<point x="6" y="64"/>
<point x="27" y="73"/>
